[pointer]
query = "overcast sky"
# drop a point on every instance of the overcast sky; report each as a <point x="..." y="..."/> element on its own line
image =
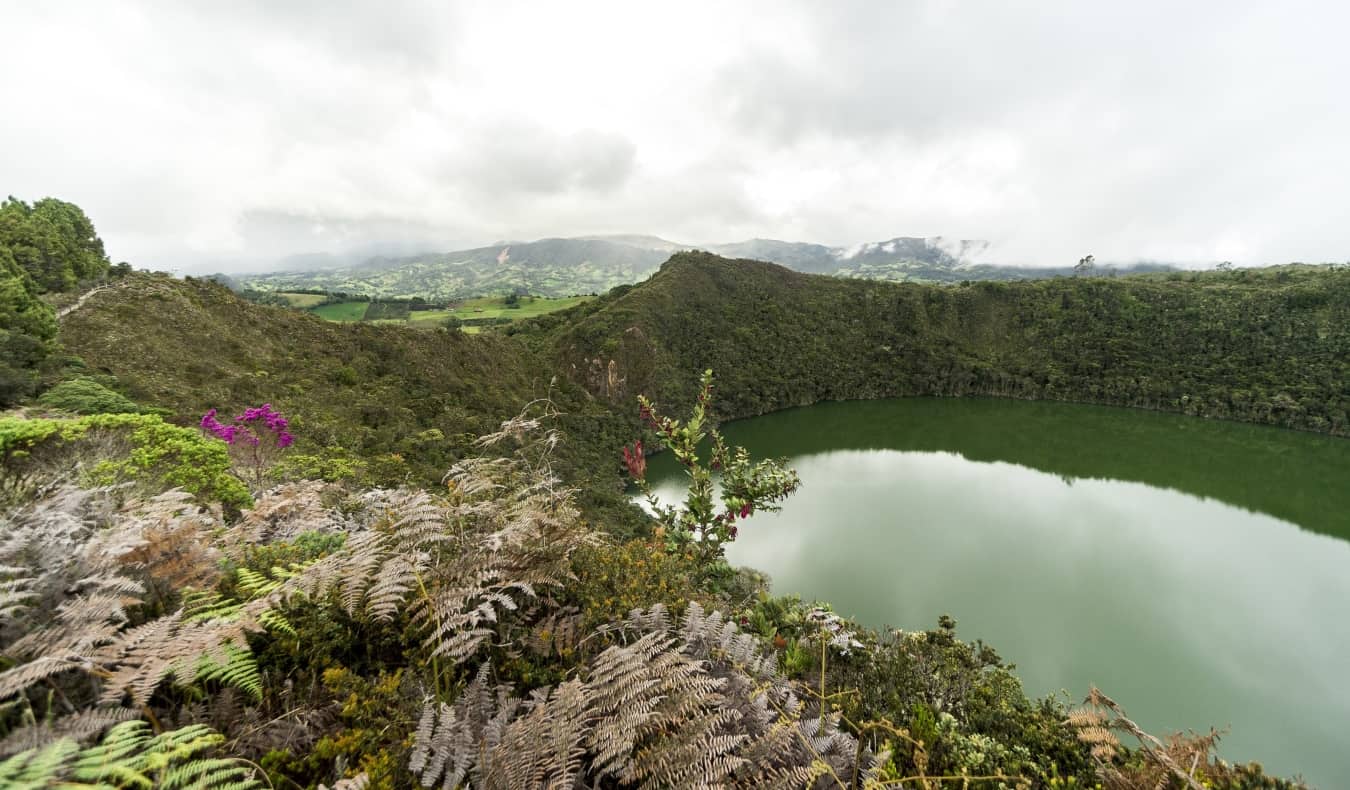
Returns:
<point x="225" y="135"/>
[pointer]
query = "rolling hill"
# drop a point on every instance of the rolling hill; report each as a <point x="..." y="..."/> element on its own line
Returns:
<point x="594" y="264"/>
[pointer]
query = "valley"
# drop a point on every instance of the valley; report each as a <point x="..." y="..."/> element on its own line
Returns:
<point x="946" y="419"/>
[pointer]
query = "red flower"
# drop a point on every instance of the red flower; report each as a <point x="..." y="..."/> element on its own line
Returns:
<point x="635" y="461"/>
<point x="746" y="510"/>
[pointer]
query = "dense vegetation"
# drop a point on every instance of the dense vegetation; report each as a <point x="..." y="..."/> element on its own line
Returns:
<point x="375" y="403"/>
<point x="354" y="613"/>
<point x="47" y="248"/>
<point x="485" y="633"/>
<point x="1268" y="345"/>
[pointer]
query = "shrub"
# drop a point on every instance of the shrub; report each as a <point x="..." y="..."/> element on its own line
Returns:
<point x="108" y="449"/>
<point x="86" y="396"/>
<point x="255" y="439"/>
<point x="697" y="526"/>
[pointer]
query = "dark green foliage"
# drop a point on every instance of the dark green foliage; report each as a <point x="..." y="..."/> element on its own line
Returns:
<point x="27" y="330"/>
<point x="960" y="700"/>
<point x="53" y="241"/>
<point x="1270" y="346"/>
<point x="48" y="247"/>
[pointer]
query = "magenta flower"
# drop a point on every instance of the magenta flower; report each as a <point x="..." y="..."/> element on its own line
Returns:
<point x="254" y="438"/>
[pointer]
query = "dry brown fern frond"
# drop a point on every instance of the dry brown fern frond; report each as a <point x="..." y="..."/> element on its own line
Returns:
<point x="558" y="633"/>
<point x="90" y="617"/>
<point x="550" y="738"/>
<point x="656" y="712"/>
<point x="284" y="512"/>
<point x="358" y="782"/>
<point x="1173" y="761"/>
<point x="166" y="542"/>
<point x="17" y="593"/>
<point x="453" y="743"/>
<point x="42" y="543"/>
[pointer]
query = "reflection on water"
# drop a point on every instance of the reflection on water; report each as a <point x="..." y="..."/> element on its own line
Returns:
<point x="1190" y="611"/>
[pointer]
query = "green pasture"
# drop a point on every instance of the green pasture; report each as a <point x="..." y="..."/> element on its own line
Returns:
<point x="302" y="301"/>
<point x="342" y="311"/>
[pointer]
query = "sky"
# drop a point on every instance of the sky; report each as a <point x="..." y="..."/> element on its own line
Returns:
<point x="229" y="136"/>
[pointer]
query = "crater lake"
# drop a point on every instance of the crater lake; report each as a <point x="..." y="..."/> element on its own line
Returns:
<point x="1197" y="571"/>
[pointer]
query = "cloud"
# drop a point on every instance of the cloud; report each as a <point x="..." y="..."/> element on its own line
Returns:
<point x="528" y="159"/>
<point x="1190" y="133"/>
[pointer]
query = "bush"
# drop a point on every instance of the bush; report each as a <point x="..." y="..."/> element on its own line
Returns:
<point x="108" y="449"/>
<point x="86" y="396"/>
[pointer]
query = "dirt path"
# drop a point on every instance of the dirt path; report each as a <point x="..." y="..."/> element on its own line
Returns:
<point x="84" y="297"/>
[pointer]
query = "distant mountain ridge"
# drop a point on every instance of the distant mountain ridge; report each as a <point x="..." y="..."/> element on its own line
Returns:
<point x="595" y="264"/>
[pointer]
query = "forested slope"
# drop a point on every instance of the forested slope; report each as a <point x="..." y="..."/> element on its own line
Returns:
<point x="47" y="249"/>
<point x="1269" y="346"/>
<point x="401" y="404"/>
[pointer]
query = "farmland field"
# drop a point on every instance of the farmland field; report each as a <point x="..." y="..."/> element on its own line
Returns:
<point x="487" y="308"/>
<point x="342" y="311"/>
<point x="303" y="301"/>
<point x="495" y="307"/>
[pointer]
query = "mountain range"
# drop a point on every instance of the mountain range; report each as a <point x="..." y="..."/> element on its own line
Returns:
<point x="594" y="264"/>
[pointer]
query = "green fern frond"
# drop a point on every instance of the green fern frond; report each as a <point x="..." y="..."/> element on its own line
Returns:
<point x="37" y="768"/>
<point x="240" y="670"/>
<point x="255" y="584"/>
<point x="200" y="607"/>
<point x="131" y="757"/>
<point x="276" y="621"/>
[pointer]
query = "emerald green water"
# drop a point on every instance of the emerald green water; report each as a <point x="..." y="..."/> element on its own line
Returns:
<point x="1197" y="571"/>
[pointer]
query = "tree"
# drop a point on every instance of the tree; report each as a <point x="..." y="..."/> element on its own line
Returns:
<point x="1085" y="266"/>
<point x="53" y="241"/>
<point x="27" y="330"/>
<point x="1226" y="266"/>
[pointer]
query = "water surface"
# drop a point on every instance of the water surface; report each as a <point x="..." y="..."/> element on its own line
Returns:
<point x="1197" y="571"/>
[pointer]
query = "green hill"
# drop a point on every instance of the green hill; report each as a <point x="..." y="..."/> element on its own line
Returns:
<point x="594" y="264"/>
<point x="549" y="267"/>
<point x="402" y="403"/>
<point x="1269" y="346"/>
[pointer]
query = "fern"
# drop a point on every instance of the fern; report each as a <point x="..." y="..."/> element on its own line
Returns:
<point x="1163" y="765"/>
<point x="131" y="756"/>
<point x="80" y="726"/>
<point x="239" y="670"/>
<point x="16" y="593"/>
<point x="692" y="706"/>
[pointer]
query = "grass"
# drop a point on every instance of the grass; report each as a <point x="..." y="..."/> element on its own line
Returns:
<point x="469" y="309"/>
<point x="342" y="311"/>
<point x="495" y="307"/>
<point x="422" y="316"/>
<point x="303" y="301"/>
